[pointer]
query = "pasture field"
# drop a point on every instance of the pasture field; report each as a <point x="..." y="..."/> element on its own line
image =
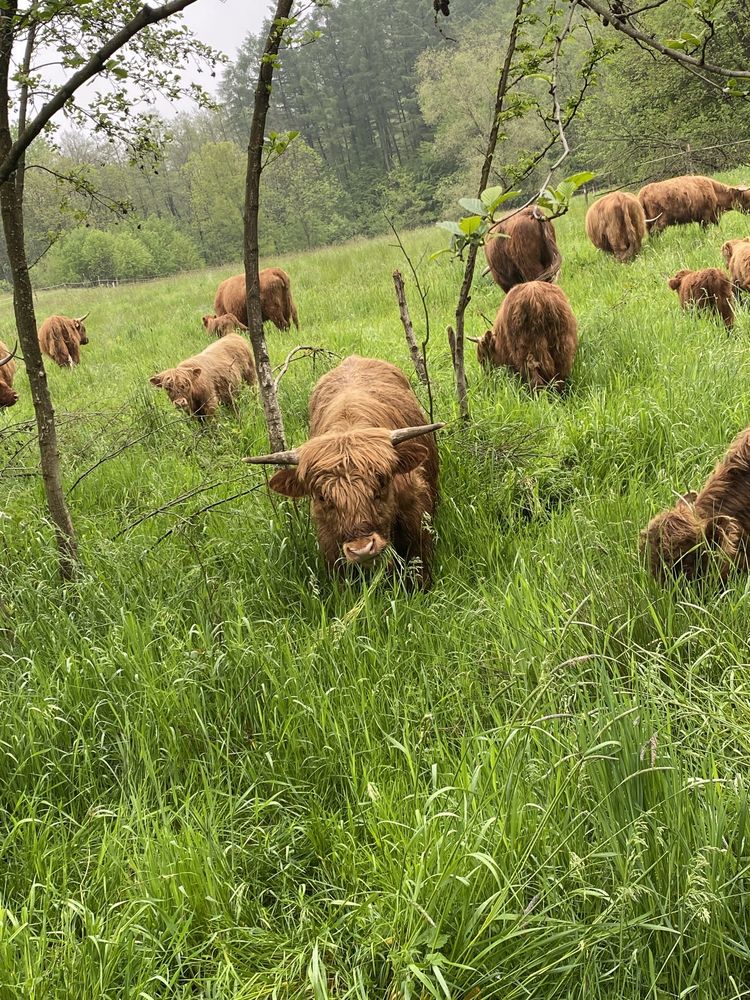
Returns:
<point x="223" y="775"/>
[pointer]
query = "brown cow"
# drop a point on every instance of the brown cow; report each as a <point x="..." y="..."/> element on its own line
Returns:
<point x="737" y="256"/>
<point x="616" y="224"/>
<point x="220" y="326"/>
<point x="534" y="335"/>
<point x="8" y="368"/>
<point x="199" y="384"/>
<point x="715" y="520"/>
<point x="371" y="484"/>
<point x="526" y="252"/>
<point x="60" y="338"/>
<point x="708" y="289"/>
<point x="276" y="302"/>
<point x="691" y="198"/>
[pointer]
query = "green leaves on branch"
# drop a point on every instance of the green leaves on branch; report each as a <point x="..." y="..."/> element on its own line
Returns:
<point x="276" y="144"/>
<point x="473" y="228"/>
<point x="556" y="201"/>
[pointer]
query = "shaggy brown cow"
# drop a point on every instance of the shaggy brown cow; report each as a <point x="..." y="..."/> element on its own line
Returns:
<point x="276" y="302"/>
<point x="219" y="326"/>
<point x="534" y="335"/>
<point x="691" y="198"/>
<point x="370" y="482"/>
<point x="715" y="520"/>
<point x="60" y="338"/>
<point x="737" y="256"/>
<point x="526" y="252"/>
<point x="199" y="384"/>
<point x="8" y="367"/>
<point x="616" y="224"/>
<point x="708" y="289"/>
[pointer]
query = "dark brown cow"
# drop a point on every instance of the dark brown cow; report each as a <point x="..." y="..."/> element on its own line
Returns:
<point x="691" y="198"/>
<point x="371" y="482"/>
<point x="616" y="224"/>
<point x="60" y="338"/>
<point x="680" y="540"/>
<point x="737" y="256"/>
<point x="534" y="335"/>
<point x="8" y="368"/>
<point x="276" y="302"/>
<point x="199" y="384"/>
<point x="709" y="289"/>
<point x="526" y="252"/>
<point x="220" y="326"/>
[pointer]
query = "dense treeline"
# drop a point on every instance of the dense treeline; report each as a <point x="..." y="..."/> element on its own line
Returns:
<point x="392" y="117"/>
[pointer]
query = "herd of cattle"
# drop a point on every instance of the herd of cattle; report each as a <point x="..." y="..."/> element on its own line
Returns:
<point x="370" y="466"/>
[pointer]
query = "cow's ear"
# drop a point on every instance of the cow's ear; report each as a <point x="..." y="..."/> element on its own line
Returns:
<point x="157" y="380"/>
<point x="195" y="371"/>
<point x="288" y="483"/>
<point x="205" y="321"/>
<point x="410" y="454"/>
<point x="676" y="280"/>
<point x="724" y="532"/>
<point x="687" y="499"/>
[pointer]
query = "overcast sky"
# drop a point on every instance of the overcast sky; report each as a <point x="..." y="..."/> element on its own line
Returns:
<point x="224" y="23"/>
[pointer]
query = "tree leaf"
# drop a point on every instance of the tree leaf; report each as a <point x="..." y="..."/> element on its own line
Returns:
<point x="452" y="227"/>
<point x="491" y="194"/>
<point x="473" y="205"/>
<point x="470" y="224"/>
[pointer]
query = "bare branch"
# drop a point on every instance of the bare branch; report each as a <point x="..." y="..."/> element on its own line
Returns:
<point x="311" y="352"/>
<point x="411" y="340"/>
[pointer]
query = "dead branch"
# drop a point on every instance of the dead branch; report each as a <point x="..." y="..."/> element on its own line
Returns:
<point x="411" y="340"/>
<point x="310" y="352"/>
<point x="202" y="510"/>
<point x="121" y="449"/>
<point x="189" y="494"/>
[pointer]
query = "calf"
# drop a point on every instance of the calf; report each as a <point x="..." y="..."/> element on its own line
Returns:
<point x="534" y="335"/>
<point x="8" y="367"/>
<point x="737" y="256"/>
<point x="60" y="338"/>
<point x="219" y="326"/>
<point x="690" y="198"/>
<point x="276" y="302"/>
<point x="371" y="483"/>
<point x="522" y="247"/>
<point x="716" y="520"/>
<point x="709" y="289"/>
<point x="199" y="384"/>
<point x="616" y="224"/>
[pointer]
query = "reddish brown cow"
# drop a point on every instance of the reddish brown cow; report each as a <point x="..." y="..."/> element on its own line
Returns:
<point x="616" y="224"/>
<point x="8" y="367"/>
<point x="681" y="540"/>
<point x="708" y="289"/>
<point x="60" y="338"/>
<point x="527" y="250"/>
<point x="372" y="484"/>
<point x="276" y="302"/>
<point x="691" y="198"/>
<point x="220" y="326"/>
<point x="737" y="256"/>
<point x="534" y="335"/>
<point x="199" y="384"/>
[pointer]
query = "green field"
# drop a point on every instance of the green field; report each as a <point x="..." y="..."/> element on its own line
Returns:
<point x="224" y="775"/>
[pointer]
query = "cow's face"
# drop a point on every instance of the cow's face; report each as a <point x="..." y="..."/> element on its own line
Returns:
<point x="178" y="383"/>
<point x="676" y="280"/>
<point x="741" y="199"/>
<point x="349" y="479"/>
<point x="484" y="349"/>
<point x="81" y="331"/>
<point x="220" y="326"/>
<point x="8" y="395"/>
<point x="680" y="542"/>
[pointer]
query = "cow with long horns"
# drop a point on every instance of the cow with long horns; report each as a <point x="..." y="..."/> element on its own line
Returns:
<point x="8" y="395"/>
<point x="60" y="338"/>
<point x="691" y="198"/>
<point x="370" y="466"/>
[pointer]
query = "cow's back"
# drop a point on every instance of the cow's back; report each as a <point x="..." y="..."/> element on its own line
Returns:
<point x="525" y="250"/>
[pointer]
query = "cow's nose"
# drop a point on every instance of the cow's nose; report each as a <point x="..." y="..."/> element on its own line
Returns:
<point x="364" y="550"/>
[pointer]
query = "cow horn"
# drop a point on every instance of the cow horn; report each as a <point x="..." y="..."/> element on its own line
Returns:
<point x="80" y="319"/>
<point x="474" y="340"/>
<point x="655" y="217"/>
<point x="10" y="356"/>
<point x="278" y="458"/>
<point x="407" y="433"/>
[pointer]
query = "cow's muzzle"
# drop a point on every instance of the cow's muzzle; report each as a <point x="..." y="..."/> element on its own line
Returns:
<point x="364" y="550"/>
<point x="10" y="399"/>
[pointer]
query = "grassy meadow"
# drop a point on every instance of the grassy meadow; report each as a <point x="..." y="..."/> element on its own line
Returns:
<point x="224" y="775"/>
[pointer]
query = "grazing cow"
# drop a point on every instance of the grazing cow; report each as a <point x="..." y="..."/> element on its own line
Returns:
<point x="199" y="384"/>
<point x="276" y="302"/>
<point x="616" y="224"/>
<point x="219" y="326"/>
<point x="371" y="483"/>
<point x="737" y="256"/>
<point x="60" y="338"/>
<point x="681" y="200"/>
<point x="526" y="250"/>
<point x="680" y="540"/>
<point x="708" y="289"/>
<point x="8" y="367"/>
<point x="534" y="335"/>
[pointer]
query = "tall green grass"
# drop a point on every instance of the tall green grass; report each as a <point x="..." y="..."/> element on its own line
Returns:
<point x="224" y="775"/>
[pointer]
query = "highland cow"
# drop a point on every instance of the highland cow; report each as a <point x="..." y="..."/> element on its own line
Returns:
<point x="682" y="200"/>
<point x="8" y="368"/>
<point x="200" y="384"/>
<point x="737" y="256"/>
<point x="715" y="521"/>
<point x="369" y="467"/>
<point x="276" y="302"/>
<point x="60" y="338"/>
<point x="709" y="289"/>
<point x="534" y="335"/>
<point x="220" y="326"/>
<point x="616" y="224"/>
<point x="522" y="247"/>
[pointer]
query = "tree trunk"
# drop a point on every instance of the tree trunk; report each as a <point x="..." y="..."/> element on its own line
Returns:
<point x="274" y="420"/>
